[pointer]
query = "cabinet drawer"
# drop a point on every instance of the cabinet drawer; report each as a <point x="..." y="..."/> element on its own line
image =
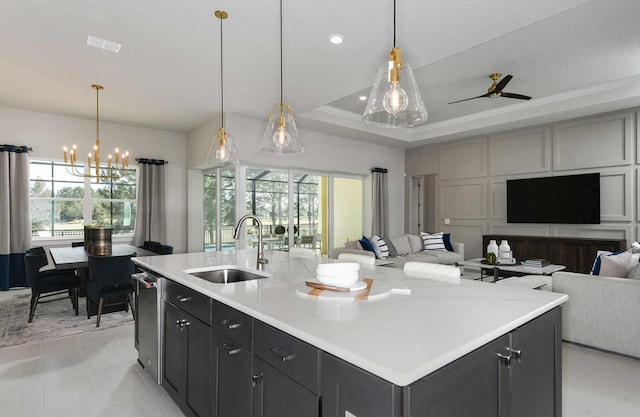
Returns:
<point x="233" y="324"/>
<point x="293" y="357"/>
<point x="191" y="301"/>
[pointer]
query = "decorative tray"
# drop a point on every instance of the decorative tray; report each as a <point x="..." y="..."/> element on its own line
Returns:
<point x="484" y="261"/>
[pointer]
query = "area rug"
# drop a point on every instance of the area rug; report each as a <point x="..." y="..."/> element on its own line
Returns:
<point x="53" y="319"/>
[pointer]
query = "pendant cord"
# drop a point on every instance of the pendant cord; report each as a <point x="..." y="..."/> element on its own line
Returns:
<point x="97" y="116"/>
<point x="281" y="77"/>
<point x="221" y="80"/>
<point x="394" y="23"/>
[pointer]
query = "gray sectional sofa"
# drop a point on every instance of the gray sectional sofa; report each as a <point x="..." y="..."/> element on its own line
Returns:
<point x="410" y="248"/>
<point x="601" y="312"/>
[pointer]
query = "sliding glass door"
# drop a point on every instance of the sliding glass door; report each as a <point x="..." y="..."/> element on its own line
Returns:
<point x="219" y="209"/>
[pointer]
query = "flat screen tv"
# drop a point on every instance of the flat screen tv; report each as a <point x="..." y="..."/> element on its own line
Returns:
<point x="570" y="199"/>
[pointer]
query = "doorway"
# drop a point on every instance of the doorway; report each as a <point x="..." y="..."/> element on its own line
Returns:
<point x="423" y="204"/>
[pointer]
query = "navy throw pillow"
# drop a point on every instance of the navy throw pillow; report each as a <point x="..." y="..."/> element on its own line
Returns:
<point x="366" y="244"/>
<point x="446" y="238"/>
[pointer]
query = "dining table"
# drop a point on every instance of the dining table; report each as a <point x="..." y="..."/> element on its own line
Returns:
<point x="77" y="257"/>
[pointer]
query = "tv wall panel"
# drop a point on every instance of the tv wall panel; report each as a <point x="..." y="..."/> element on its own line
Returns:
<point x="463" y="159"/>
<point x="596" y="142"/>
<point x="463" y="199"/>
<point x="595" y="231"/>
<point x="616" y="193"/>
<point x="520" y="152"/>
<point x="519" y="229"/>
<point x="470" y="233"/>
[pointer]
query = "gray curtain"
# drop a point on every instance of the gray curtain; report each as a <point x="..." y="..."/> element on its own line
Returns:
<point x="15" y="215"/>
<point x="151" y="218"/>
<point x="380" y="211"/>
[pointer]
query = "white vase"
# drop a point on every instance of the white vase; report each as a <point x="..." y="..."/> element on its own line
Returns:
<point x="492" y="247"/>
<point x="504" y="251"/>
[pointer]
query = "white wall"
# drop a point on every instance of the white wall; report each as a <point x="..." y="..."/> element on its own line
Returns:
<point x="47" y="133"/>
<point x="472" y="175"/>
<point x="322" y="152"/>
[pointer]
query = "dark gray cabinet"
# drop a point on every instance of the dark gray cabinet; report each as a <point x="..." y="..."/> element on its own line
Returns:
<point x="516" y="375"/>
<point x="277" y="395"/>
<point x="286" y="374"/>
<point x="350" y="391"/>
<point x="231" y="371"/>
<point x="186" y="372"/>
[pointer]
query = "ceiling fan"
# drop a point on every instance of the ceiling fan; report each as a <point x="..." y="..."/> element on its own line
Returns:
<point x="496" y="89"/>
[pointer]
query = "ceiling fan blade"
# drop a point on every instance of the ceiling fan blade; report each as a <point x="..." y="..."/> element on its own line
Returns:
<point x="503" y="83"/>
<point x="472" y="98"/>
<point x="513" y="95"/>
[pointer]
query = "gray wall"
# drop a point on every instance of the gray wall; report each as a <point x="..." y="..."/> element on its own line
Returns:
<point x="472" y="174"/>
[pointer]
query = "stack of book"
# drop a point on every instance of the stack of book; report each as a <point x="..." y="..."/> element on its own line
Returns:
<point x="536" y="263"/>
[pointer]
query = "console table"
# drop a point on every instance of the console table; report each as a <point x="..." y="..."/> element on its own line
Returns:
<point x="577" y="254"/>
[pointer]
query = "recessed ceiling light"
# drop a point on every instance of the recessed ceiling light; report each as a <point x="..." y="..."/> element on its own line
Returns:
<point x="105" y="44"/>
<point x="336" y="38"/>
<point x="362" y="98"/>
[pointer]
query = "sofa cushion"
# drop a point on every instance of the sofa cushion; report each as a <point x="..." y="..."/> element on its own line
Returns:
<point x="353" y="244"/>
<point x="634" y="273"/>
<point x="615" y="265"/>
<point x="447" y="242"/>
<point x="366" y="244"/>
<point x="445" y="257"/>
<point x="433" y="241"/>
<point x="401" y="243"/>
<point x="416" y="243"/>
<point x="392" y="249"/>
<point x="379" y="247"/>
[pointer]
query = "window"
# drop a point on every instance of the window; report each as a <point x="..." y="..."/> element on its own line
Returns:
<point x="61" y="203"/>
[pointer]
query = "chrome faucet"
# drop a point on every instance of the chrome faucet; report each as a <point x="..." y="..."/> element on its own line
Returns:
<point x="261" y="261"/>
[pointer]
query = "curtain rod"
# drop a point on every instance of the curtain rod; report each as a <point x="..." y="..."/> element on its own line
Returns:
<point x="152" y="161"/>
<point x="383" y="170"/>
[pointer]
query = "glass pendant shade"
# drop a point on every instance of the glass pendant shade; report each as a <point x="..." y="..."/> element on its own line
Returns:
<point x="281" y="135"/>
<point x="395" y="100"/>
<point x="222" y="152"/>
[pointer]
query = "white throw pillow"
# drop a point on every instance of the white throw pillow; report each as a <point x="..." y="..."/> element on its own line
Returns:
<point x="433" y="241"/>
<point x="616" y="265"/>
<point x="380" y="247"/>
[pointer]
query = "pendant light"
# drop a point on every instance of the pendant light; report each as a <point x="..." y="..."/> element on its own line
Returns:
<point x="222" y="151"/>
<point x="281" y="135"/>
<point x="395" y="99"/>
<point x="116" y="167"/>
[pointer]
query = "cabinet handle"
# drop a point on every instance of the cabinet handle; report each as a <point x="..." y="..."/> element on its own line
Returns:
<point x="517" y="355"/>
<point x="231" y="349"/>
<point x="256" y="379"/>
<point x="230" y="324"/>
<point x="282" y="354"/>
<point x="183" y="299"/>
<point x="178" y="324"/>
<point x="506" y="359"/>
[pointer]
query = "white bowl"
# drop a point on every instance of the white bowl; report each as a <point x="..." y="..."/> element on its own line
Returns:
<point x="344" y="280"/>
<point x="337" y="268"/>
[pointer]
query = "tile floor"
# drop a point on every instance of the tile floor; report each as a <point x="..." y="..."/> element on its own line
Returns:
<point x="96" y="374"/>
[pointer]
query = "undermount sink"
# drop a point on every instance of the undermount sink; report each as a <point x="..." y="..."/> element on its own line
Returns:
<point x="225" y="275"/>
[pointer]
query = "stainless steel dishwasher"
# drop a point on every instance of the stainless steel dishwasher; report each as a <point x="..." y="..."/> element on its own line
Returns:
<point x="147" y="326"/>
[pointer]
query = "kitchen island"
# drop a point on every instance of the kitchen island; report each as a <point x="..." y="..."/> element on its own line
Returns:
<point x="412" y="348"/>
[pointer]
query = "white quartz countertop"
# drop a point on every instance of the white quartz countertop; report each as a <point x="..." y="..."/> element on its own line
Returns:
<point x="398" y="337"/>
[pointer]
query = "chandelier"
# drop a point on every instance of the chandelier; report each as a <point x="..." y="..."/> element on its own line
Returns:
<point x="281" y="135"/>
<point x="116" y="165"/>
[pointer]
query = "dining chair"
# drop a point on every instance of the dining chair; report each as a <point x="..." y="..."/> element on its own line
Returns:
<point x="164" y="250"/>
<point x="48" y="283"/>
<point x="438" y="272"/>
<point x="150" y="245"/>
<point x="364" y="259"/>
<point x="110" y="283"/>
